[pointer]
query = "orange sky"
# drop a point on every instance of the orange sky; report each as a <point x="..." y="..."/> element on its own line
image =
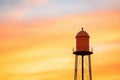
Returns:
<point x="37" y="38"/>
<point x="42" y="49"/>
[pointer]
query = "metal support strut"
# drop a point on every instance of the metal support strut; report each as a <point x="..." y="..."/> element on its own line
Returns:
<point x="76" y="63"/>
<point x="82" y="67"/>
<point x="90" y="70"/>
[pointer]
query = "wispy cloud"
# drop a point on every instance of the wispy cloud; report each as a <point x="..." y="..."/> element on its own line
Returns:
<point x="29" y="9"/>
<point x="36" y="38"/>
<point x="17" y="9"/>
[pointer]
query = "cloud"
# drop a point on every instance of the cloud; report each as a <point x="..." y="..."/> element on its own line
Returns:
<point x="35" y="47"/>
<point x="8" y="2"/>
<point x="61" y="8"/>
<point x="17" y="9"/>
<point x="36" y="2"/>
<point x="29" y="9"/>
<point x="107" y="4"/>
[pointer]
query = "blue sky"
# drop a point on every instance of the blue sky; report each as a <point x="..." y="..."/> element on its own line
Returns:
<point x="50" y="8"/>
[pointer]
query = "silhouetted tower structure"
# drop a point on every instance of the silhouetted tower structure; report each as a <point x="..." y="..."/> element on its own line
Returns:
<point x="82" y="57"/>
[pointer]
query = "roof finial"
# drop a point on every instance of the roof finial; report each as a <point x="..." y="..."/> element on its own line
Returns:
<point x="82" y="28"/>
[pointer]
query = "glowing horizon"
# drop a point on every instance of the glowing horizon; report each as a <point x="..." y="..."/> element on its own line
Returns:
<point x="37" y="37"/>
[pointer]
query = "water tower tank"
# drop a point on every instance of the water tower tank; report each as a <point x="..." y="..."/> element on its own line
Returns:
<point x="82" y="41"/>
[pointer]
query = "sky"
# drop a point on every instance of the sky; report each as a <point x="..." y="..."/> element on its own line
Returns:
<point x="37" y="38"/>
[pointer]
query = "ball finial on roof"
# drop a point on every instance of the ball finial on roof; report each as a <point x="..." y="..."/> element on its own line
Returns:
<point x="82" y="28"/>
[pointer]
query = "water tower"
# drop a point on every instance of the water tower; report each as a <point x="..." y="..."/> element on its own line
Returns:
<point x="82" y="57"/>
